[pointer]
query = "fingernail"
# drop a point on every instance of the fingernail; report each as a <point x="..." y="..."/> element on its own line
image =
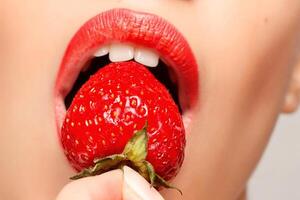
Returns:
<point x="135" y="187"/>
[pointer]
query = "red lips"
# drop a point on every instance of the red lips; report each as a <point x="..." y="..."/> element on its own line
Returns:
<point x="124" y="25"/>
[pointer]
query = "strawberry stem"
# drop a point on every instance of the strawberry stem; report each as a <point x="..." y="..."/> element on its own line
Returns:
<point x="134" y="155"/>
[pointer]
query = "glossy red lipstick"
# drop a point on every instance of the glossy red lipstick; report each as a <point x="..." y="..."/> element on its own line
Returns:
<point x="123" y="25"/>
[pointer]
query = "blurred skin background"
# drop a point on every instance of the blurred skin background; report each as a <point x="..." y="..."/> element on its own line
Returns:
<point x="248" y="55"/>
<point x="277" y="176"/>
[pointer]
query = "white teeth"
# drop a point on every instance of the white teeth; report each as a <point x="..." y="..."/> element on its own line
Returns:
<point x="102" y="51"/>
<point x="121" y="52"/>
<point x="146" y="57"/>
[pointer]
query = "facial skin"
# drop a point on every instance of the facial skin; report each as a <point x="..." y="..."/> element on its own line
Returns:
<point x="247" y="54"/>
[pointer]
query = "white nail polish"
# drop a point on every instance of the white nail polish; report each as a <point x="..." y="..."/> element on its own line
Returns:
<point x="135" y="187"/>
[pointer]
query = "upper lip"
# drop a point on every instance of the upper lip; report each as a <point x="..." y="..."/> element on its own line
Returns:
<point x="123" y="25"/>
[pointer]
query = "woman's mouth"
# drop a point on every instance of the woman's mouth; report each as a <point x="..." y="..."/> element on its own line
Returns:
<point x="121" y="35"/>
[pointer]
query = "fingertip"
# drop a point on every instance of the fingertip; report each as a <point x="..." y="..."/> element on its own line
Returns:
<point x="135" y="187"/>
<point x="113" y="185"/>
<point x="105" y="186"/>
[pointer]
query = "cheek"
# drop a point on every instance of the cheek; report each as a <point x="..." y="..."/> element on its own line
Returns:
<point x="244" y="55"/>
<point x="244" y="58"/>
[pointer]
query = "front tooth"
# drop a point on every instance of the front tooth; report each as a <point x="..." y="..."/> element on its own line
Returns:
<point x="146" y="57"/>
<point x="121" y="52"/>
<point x="102" y="51"/>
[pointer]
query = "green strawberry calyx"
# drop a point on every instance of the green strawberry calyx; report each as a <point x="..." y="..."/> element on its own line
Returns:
<point x="134" y="155"/>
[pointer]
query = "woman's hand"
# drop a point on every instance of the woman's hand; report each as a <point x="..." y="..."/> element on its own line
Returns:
<point x="113" y="185"/>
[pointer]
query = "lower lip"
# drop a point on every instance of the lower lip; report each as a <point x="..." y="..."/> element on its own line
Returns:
<point x="135" y="27"/>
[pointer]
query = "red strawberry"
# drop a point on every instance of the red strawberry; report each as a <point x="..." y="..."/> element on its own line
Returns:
<point x="111" y="106"/>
